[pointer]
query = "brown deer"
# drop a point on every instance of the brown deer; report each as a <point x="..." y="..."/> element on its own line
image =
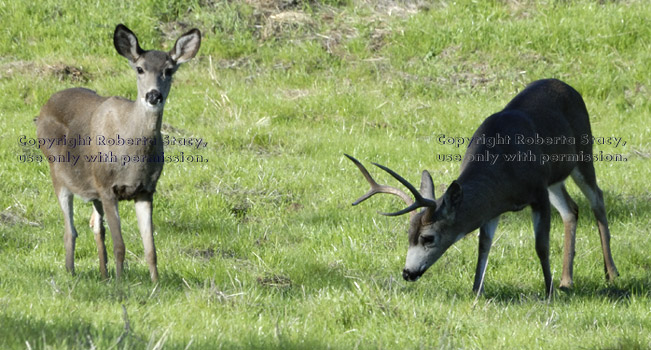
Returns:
<point x="547" y="127"/>
<point x="108" y="149"/>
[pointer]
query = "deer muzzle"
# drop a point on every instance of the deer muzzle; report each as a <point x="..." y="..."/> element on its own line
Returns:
<point x="411" y="276"/>
<point x="154" y="97"/>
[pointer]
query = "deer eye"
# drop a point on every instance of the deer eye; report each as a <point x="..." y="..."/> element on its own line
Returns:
<point x="427" y="240"/>
<point x="140" y="70"/>
<point x="168" y="72"/>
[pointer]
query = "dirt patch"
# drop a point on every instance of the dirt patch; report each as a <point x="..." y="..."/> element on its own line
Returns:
<point x="16" y="67"/>
<point x="634" y="91"/>
<point x="209" y="253"/>
<point x="173" y="30"/>
<point x="61" y="71"/>
<point x="377" y="124"/>
<point x="70" y="73"/>
<point x="205" y="254"/>
<point x="275" y="281"/>
<point x="378" y="37"/>
<point x="470" y="79"/>
<point x="396" y="8"/>
<point x="521" y="9"/>
<point x="172" y="130"/>
<point x="236" y="63"/>
<point x="240" y="210"/>
<point x="294" y="94"/>
<point x="241" y="201"/>
<point x="272" y="6"/>
<point x="10" y="218"/>
<point x="295" y="206"/>
<point x="288" y="23"/>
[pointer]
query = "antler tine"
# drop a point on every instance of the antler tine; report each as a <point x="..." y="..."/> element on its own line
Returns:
<point x="418" y="203"/>
<point x="409" y="209"/>
<point x="377" y="188"/>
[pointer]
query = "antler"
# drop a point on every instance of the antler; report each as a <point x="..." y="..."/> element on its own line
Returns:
<point x="377" y="188"/>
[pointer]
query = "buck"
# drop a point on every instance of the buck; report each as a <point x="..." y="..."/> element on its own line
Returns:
<point x="487" y="187"/>
<point x="80" y="114"/>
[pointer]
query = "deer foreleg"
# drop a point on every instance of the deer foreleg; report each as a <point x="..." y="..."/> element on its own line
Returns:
<point x="541" y="222"/>
<point x="486" y="233"/>
<point x="113" y="220"/>
<point x="143" y="212"/>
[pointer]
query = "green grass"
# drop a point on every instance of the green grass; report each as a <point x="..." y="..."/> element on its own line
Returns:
<point x="259" y="248"/>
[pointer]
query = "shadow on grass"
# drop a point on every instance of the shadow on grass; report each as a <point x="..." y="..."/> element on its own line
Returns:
<point x="19" y="331"/>
<point x="61" y="330"/>
<point x="23" y="330"/>
<point x="619" y="291"/>
<point x="621" y="206"/>
<point x="253" y="343"/>
<point x="87" y="285"/>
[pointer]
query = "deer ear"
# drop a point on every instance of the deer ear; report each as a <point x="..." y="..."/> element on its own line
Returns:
<point x="186" y="46"/>
<point x="126" y="43"/>
<point x="427" y="191"/>
<point x="451" y="200"/>
<point x="453" y="195"/>
<point x="427" y="186"/>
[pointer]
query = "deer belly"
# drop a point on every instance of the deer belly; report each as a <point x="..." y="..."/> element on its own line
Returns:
<point x="127" y="192"/>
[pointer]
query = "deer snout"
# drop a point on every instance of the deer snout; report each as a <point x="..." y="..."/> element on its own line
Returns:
<point x="154" y="97"/>
<point x="411" y="276"/>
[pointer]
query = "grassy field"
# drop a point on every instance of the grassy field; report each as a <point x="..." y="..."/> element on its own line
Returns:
<point x="259" y="247"/>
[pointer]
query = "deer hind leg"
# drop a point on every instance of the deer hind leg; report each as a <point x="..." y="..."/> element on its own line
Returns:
<point x="486" y="233"/>
<point x="70" y="234"/>
<point x="97" y="224"/>
<point x="584" y="177"/>
<point x="569" y="211"/>
<point x="143" y="213"/>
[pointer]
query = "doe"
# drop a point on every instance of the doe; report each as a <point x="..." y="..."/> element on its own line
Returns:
<point x="134" y="127"/>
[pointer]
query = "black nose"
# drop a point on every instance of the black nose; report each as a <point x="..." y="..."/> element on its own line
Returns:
<point x="410" y="276"/>
<point x="154" y="97"/>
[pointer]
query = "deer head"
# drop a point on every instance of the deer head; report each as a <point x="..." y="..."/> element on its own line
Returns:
<point x="155" y="68"/>
<point x="433" y="229"/>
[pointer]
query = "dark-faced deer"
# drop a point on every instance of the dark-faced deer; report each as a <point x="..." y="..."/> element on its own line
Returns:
<point x="121" y="156"/>
<point x="548" y="124"/>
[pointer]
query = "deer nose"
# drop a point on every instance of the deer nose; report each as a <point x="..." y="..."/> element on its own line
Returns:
<point x="154" y="97"/>
<point x="410" y="276"/>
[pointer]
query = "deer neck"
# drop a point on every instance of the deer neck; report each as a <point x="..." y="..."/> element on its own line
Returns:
<point x="144" y="119"/>
<point x="482" y="201"/>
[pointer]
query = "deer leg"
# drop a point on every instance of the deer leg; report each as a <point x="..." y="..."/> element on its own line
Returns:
<point x="144" y="212"/>
<point x="97" y="223"/>
<point x="569" y="211"/>
<point x="541" y="222"/>
<point x="112" y="214"/>
<point x="70" y="234"/>
<point x="486" y="233"/>
<point x="586" y="180"/>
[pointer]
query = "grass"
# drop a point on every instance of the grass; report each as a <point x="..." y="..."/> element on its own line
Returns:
<point x="259" y="248"/>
